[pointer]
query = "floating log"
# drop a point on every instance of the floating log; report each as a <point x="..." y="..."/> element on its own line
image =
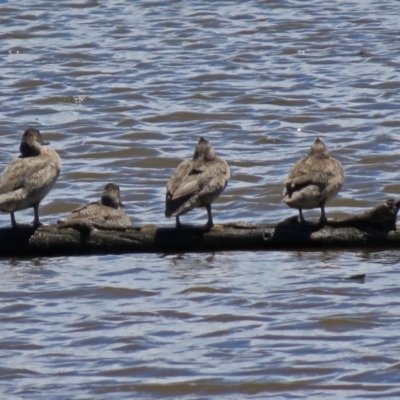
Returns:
<point x="372" y="229"/>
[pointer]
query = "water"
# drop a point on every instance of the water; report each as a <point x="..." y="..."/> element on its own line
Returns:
<point x="123" y="90"/>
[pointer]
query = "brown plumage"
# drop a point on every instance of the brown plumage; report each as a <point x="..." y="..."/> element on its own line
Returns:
<point x="103" y="215"/>
<point x="196" y="183"/>
<point x="313" y="181"/>
<point x="29" y="177"/>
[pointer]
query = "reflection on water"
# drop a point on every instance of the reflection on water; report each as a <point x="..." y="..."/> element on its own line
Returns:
<point x="123" y="90"/>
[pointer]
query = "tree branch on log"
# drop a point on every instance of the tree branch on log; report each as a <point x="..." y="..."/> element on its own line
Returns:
<point x="374" y="228"/>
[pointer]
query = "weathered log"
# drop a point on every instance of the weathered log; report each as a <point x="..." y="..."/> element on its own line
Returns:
<point x="374" y="228"/>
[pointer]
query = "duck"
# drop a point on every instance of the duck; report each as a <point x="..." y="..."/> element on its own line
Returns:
<point x="28" y="178"/>
<point x="196" y="183"/>
<point x="313" y="181"/>
<point x="104" y="215"/>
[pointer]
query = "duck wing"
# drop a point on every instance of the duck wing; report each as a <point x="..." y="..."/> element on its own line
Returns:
<point x="179" y="177"/>
<point x="29" y="172"/>
<point x="310" y="172"/>
<point x="187" y="188"/>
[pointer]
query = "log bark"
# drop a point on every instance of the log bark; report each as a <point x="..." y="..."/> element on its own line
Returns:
<point x="372" y="229"/>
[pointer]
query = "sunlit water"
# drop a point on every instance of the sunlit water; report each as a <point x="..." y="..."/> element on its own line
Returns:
<point x="123" y="90"/>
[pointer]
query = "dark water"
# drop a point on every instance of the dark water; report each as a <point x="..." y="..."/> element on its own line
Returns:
<point x="123" y="90"/>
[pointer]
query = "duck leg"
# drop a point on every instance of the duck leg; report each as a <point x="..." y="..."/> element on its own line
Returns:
<point x="178" y="223"/>
<point x="210" y="222"/>
<point x="13" y="221"/>
<point x="323" y="218"/>
<point x="36" y="221"/>
<point x="302" y="220"/>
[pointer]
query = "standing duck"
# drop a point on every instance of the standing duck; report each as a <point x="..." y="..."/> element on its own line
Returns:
<point x="313" y="181"/>
<point x="196" y="183"/>
<point x="105" y="215"/>
<point x="29" y="177"/>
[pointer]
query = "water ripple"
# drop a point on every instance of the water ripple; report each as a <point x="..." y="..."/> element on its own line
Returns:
<point x="124" y="90"/>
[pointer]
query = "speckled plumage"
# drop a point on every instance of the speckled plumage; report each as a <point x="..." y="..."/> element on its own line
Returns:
<point x="104" y="215"/>
<point x="196" y="183"/>
<point x="313" y="180"/>
<point x="29" y="177"/>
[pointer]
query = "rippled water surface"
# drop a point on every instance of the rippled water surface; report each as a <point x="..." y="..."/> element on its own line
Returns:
<point x="123" y="90"/>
